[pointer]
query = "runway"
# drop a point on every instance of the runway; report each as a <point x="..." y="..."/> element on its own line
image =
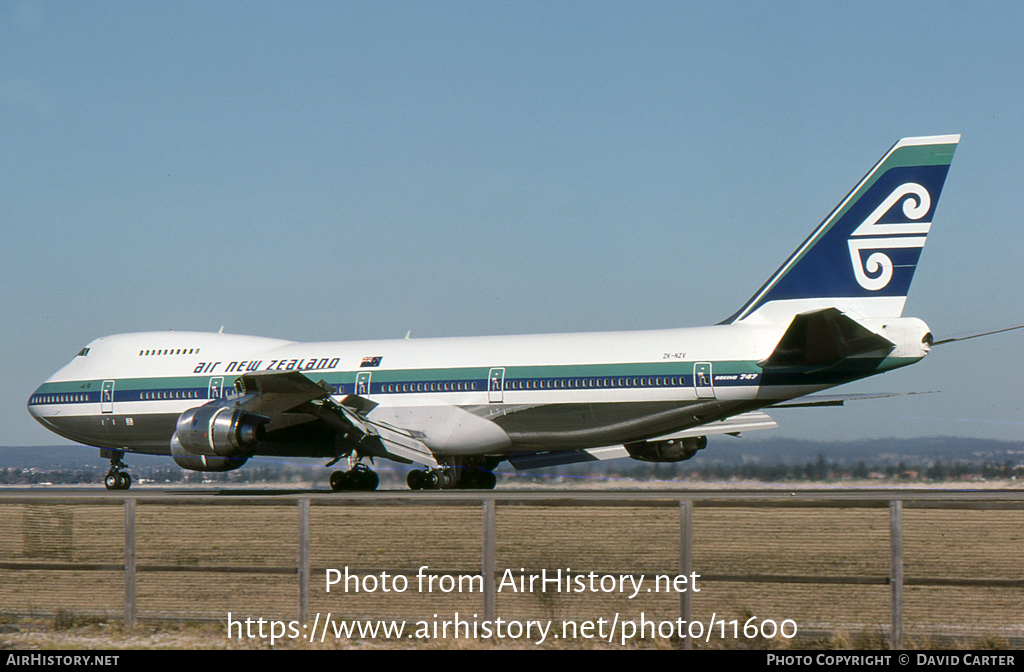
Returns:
<point x="538" y="496"/>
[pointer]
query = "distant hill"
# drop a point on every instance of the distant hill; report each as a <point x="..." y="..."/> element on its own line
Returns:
<point x="726" y="450"/>
<point x="68" y="457"/>
<point x="720" y="451"/>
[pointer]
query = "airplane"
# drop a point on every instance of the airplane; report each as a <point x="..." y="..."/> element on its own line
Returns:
<point x="458" y="407"/>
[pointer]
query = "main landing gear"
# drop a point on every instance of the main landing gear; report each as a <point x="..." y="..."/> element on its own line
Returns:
<point x="425" y="479"/>
<point x="359" y="477"/>
<point x="117" y="478"/>
<point x="477" y="479"/>
<point x="453" y="474"/>
<point x="461" y="478"/>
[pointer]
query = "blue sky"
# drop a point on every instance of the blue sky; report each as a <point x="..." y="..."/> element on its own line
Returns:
<point x="343" y="170"/>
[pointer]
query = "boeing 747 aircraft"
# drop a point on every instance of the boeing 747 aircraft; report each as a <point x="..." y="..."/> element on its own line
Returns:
<point x="831" y="314"/>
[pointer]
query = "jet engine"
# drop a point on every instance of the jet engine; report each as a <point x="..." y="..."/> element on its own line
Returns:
<point x="187" y="460"/>
<point x="670" y="450"/>
<point x="214" y="430"/>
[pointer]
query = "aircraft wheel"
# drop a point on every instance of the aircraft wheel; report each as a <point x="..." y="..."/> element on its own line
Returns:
<point x="368" y="480"/>
<point x="416" y="480"/>
<point x="433" y="480"/>
<point x="477" y="479"/>
<point x="471" y="479"/>
<point x="339" y="481"/>
<point x="112" y="481"/>
<point x="487" y="480"/>
<point x="124" y="481"/>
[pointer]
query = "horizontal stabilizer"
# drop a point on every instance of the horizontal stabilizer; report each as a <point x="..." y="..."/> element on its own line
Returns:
<point x="817" y="400"/>
<point x="734" y="425"/>
<point x="822" y="338"/>
<point x="557" y="458"/>
<point x="744" y="422"/>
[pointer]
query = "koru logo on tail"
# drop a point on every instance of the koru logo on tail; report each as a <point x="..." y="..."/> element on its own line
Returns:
<point x="875" y="272"/>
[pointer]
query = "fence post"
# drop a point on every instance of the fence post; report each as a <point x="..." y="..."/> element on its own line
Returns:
<point x="896" y="574"/>
<point x="129" y="563"/>
<point x="487" y="559"/>
<point x="685" y="565"/>
<point x="303" y="560"/>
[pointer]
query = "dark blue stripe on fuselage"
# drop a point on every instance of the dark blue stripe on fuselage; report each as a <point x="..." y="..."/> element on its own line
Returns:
<point x="511" y="384"/>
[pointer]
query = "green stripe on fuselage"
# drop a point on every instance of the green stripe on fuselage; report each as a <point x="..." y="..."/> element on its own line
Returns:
<point x="669" y="368"/>
<point x="839" y="373"/>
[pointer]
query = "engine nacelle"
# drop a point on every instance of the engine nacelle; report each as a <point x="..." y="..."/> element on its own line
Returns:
<point x="219" y="431"/>
<point x="670" y="450"/>
<point x="187" y="460"/>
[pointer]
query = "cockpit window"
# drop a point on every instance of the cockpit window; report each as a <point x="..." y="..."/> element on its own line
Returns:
<point x="83" y="352"/>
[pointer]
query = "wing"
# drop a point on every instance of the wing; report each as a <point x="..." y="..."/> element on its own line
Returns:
<point x="289" y="398"/>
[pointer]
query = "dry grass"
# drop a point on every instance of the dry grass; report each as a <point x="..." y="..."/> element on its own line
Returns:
<point x="822" y="542"/>
<point x="76" y="632"/>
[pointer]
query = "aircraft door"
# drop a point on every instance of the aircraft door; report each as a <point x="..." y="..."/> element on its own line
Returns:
<point x="495" y="385"/>
<point x="107" y="397"/>
<point x="363" y="383"/>
<point x="216" y="388"/>
<point x="702" y="380"/>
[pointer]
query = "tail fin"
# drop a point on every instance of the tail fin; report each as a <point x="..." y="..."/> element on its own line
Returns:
<point x="862" y="258"/>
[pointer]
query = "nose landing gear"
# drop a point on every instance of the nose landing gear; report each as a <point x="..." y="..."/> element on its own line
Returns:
<point x="117" y="478"/>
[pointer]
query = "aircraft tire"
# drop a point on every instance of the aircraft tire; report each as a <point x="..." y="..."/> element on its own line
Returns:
<point x="477" y="479"/>
<point x="112" y="481"/>
<point x="366" y="479"/>
<point x="340" y="481"/>
<point x="467" y="480"/>
<point x="487" y="480"/>
<point x="416" y="480"/>
<point x="433" y="480"/>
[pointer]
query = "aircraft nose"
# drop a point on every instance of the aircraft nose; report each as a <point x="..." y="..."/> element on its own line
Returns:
<point x="33" y="403"/>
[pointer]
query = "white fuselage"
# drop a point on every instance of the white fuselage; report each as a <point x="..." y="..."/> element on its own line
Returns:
<point x="459" y="396"/>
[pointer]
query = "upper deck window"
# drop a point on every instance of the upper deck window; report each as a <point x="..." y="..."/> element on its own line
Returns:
<point x="171" y="351"/>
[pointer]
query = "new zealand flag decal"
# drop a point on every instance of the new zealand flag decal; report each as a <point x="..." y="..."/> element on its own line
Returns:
<point x="370" y="362"/>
